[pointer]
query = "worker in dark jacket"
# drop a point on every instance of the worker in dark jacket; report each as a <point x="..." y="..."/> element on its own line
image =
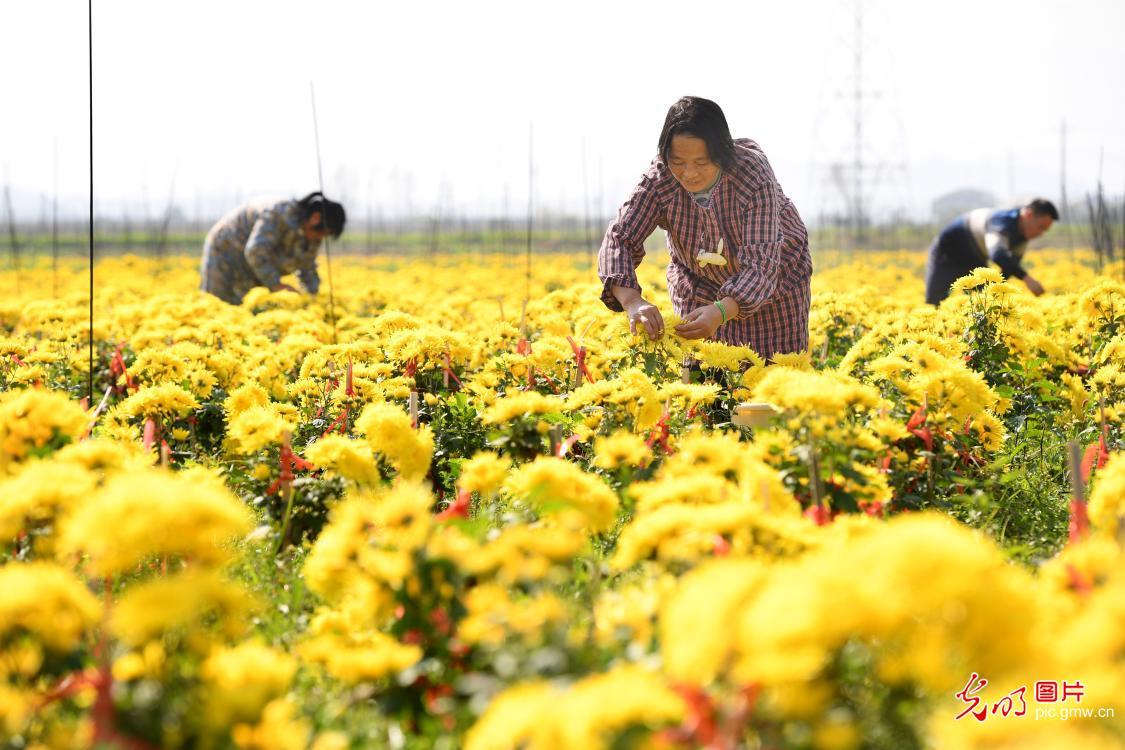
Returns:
<point x="984" y="235"/>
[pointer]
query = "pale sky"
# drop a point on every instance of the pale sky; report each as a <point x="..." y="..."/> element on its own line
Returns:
<point x="428" y="102"/>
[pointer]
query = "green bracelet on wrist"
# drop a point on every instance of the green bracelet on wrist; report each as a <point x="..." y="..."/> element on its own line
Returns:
<point x="721" y="311"/>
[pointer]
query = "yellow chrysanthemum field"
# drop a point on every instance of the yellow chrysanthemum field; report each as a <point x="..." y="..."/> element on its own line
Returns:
<point x="464" y="507"/>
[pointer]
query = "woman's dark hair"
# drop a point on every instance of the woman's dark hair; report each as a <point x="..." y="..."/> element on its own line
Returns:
<point x="331" y="213"/>
<point x="702" y="118"/>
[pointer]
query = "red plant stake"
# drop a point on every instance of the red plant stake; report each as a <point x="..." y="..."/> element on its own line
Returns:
<point x="659" y="433"/>
<point x="872" y="508"/>
<point x="341" y="420"/>
<point x="566" y="445"/>
<point x="117" y="369"/>
<point x="916" y="425"/>
<point x="1078" y="582"/>
<point x="580" y="361"/>
<point x="287" y="462"/>
<point x="100" y="678"/>
<point x="151" y="434"/>
<point x="699" y="721"/>
<point x="447" y="371"/>
<point x="459" y="508"/>
<point x="1095" y="456"/>
<point x="720" y="547"/>
<point x="820" y="514"/>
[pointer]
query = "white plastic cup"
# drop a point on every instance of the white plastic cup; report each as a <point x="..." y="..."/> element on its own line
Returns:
<point x="749" y="414"/>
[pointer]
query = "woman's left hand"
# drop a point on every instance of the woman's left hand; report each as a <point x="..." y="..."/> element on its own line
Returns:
<point x="700" y="323"/>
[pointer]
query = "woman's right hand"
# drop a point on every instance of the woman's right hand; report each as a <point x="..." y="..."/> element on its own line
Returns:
<point x="644" y="317"/>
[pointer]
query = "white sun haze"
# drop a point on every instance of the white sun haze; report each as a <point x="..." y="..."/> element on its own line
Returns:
<point x="426" y="101"/>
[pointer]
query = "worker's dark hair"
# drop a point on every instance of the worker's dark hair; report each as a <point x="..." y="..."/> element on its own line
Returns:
<point x="702" y="118"/>
<point x="1044" y="207"/>
<point x="331" y="213"/>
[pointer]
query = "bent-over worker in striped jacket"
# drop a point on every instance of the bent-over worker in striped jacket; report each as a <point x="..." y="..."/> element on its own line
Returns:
<point x="740" y="264"/>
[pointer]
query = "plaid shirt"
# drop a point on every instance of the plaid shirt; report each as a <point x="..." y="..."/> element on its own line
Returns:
<point x="765" y="243"/>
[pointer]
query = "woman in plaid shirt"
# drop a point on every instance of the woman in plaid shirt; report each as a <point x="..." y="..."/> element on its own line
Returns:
<point x="740" y="265"/>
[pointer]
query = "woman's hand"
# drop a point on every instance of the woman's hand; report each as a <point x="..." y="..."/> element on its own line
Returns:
<point x="644" y="317"/>
<point x="700" y="323"/>
<point x="703" y="322"/>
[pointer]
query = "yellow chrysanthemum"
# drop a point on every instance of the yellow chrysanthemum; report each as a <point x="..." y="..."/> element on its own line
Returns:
<point x="195" y="601"/>
<point x="148" y="513"/>
<point x="370" y="541"/>
<point x="239" y="682"/>
<point x="1107" y="501"/>
<point x="159" y="402"/>
<point x="255" y="428"/>
<point x="554" y="487"/>
<point x="39" y="493"/>
<point x="46" y="601"/>
<point x="483" y="473"/>
<point x="588" y="715"/>
<point x="355" y="656"/>
<point x="520" y="405"/>
<point x="34" y="421"/>
<point x="388" y="431"/>
<point x="621" y="448"/>
<point x="979" y="278"/>
<point x="279" y="728"/>
<point x="349" y="458"/>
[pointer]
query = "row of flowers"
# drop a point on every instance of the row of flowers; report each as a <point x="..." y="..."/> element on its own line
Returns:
<point x="541" y="531"/>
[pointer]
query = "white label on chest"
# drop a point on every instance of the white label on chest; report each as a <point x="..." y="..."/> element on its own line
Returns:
<point x="712" y="259"/>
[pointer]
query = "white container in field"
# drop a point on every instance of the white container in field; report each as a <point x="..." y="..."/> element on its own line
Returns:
<point x="749" y="414"/>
